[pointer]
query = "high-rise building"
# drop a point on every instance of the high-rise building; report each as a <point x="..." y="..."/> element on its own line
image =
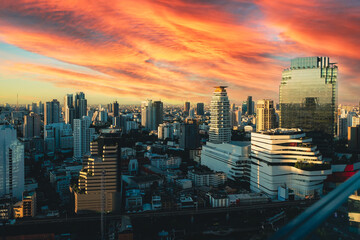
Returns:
<point x="83" y="135"/>
<point x="308" y="99"/>
<point x="52" y="112"/>
<point x="69" y="109"/>
<point x="58" y="136"/>
<point x="157" y="114"/>
<point x="186" y="108"/>
<point x="354" y="138"/>
<point x="342" y="128"/>
<point x="80" y="105"/>
<point x="220" y="129"/>
<point x="189" y="135"/>
<point x="40" y="107"/>
<point x="115" y="108"/>
<point x="200" y="109"/>
<point x="12" y="177"/>
<point x="31" y="127"/>
<point x="285" y="158"/>
<point x="100" y="178"/>
<point x="146" y="114"/>
<point x="244" y="108"/>
<point x="250" y="106"/>
<point x="265" y="115"/>
<point x="151" y="114"/>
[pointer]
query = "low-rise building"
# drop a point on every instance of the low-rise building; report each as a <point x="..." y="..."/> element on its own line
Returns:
<point x="202" y="177"/>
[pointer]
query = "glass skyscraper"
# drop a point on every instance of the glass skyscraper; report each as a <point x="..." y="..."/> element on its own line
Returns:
<point x="308" y="97"/>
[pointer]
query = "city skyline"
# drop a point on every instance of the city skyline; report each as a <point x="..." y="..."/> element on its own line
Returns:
<point x="174" y="52"/>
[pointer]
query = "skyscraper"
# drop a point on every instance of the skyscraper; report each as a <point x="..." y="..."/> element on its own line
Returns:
<point x="200" y="109"/>
<point x="80" y="105"/>
<point x="11" y="163"/>
<point x="189" y="135"/>
<point x="151" y="114"/>
<point x="115" y="108"/>
<point x="104" y="164"/>
<point x="69" y="109"/>
<point x="146" y="114"/>
<point x="220" y="129"/>
<point x="186" y="108"/>
<point x="308" y="98"/>
<point x="265" y="115"/>
<point x="250" y="106"/>
<point x="52" y="112"/>
<point x="158" y="111"/>
<point x="31" y="125"/>
<point x="83" y="135"/>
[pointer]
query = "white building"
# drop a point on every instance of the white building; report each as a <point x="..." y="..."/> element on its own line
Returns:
<point x="206" y="178"/>
<point x="83" y="135"/>
<point x="146" y="114"/>
<point x="12" y="177"/>
<point x="231" y="158"/>
<point x="286" y="157"/>
<point x="165" y="130"/>
<point x="220" y="127"/>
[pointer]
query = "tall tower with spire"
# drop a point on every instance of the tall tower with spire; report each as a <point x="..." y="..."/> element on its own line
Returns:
<point x="220" y="128"/>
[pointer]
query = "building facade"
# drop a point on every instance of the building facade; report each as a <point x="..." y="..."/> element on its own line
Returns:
<point x="232" y="159"/>
<point x="265" y="115"/>
<point x="83" y="135"/>
<point x="308" y="99"/>
<point x="52" y="112"/>
<point x="286" y="158"/>
<point x="12" y="176"/>
<point x="220" y="128"/>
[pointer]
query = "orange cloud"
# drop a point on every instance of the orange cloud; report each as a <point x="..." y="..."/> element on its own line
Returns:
<point x="179" y="49"/>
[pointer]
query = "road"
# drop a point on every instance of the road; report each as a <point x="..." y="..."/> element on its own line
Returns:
<point x="182" y="212"/>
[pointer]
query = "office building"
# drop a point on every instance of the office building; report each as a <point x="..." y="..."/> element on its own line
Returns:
<point x="186" y="108"/>
<point x="11" y="163"/>
<point x="250" y="106"/>
<point x="354" y="138"/>
<point x="157" y="114"/>
<point x="220" y="128"/>
<point x="52" y="112"/>
<point x="31" y="126"/>
<point x="231" y="158"/>
<point x="308" y="99"/>
<point x="189" y="135"/>
<point x="342" y="129"/>
<point x="265" y="115"/>
<point x="83" y="135"/>
<point x="286" y="158"/>
<point x="100" y="179"/>
<point x="69" y="109"/>
<point x="200" y="109"/>
<point x="80" y="105"/>
<point x="151" y="114"/>
<point x="202" y="177"/>
<point x="115" y="108"/>
<point x="146" y="114"/>
<point x="165" y="131"/>
<point x="57" y="137"/>
<point x="244" y="108"/>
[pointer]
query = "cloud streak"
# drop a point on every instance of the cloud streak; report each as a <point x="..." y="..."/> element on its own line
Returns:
<point x="178" y="50"/>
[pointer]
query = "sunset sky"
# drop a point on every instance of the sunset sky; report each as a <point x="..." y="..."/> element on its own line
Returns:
<point x="174" y="50"/>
